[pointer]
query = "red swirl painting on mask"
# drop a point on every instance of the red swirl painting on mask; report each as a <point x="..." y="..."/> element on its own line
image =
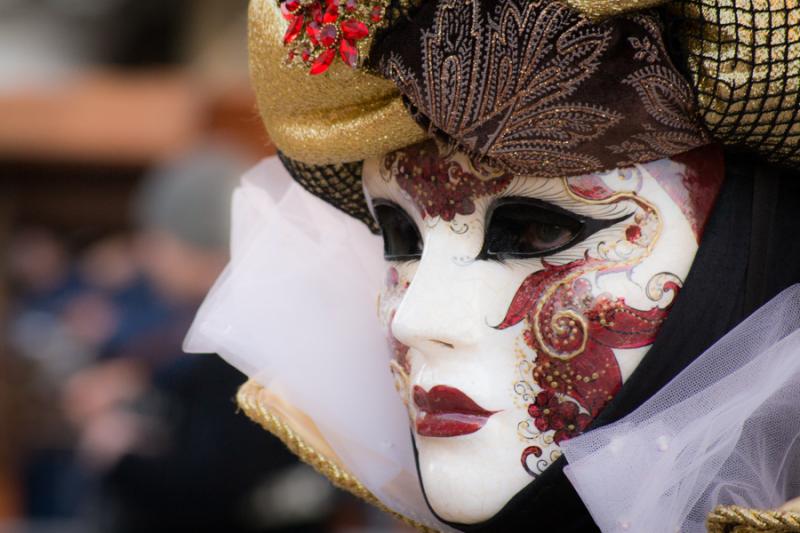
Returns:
<point x="573" y="334"/>
<point x="702" y="172"/>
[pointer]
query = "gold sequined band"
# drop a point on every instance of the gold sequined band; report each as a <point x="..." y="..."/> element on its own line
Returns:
<point x="743" y="57"/>
<point x="254" y="400"/>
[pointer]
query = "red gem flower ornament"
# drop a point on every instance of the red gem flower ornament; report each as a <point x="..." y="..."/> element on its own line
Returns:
<point x="318" y="29"/>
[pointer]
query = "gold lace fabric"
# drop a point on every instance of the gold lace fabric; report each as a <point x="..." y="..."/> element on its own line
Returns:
<point x="299" y="433"/>
<point x="587" y="98"/>
<point x="743" y="60"/>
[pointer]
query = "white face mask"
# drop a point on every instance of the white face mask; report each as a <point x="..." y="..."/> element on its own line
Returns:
<point x="518" y="306"/>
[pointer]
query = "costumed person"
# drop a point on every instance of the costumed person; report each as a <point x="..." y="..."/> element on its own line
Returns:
<point x="579" y="203"/>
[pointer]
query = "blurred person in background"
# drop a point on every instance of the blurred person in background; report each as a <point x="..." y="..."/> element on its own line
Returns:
<point x="135" y="435"/>
<point x="158" y="428"/>
<point x="21" y="413"/>
<point x="58" y="323"/>
<point x="69" y="312"/>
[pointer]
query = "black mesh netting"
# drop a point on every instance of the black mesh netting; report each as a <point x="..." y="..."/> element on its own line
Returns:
<point x="338" y="185"/>
<point x="743" y="60"/>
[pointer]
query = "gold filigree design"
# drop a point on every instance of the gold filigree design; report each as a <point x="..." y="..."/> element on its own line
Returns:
<point x="646" y="205"/>
<point x="655" y="285"/>
<point x="259" y="406"/>
<point x="735" y="519"/>
<point x="664" y="94"/>
<point x="556" y="326"/>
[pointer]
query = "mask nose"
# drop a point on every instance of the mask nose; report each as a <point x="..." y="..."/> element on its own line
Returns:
<point x="440" y="312"/>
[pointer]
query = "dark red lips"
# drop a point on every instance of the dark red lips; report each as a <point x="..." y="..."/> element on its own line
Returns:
<point x="447" y="412"/>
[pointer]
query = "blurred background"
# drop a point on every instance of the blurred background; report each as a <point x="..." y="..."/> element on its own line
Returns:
<point x="124" y="125"/>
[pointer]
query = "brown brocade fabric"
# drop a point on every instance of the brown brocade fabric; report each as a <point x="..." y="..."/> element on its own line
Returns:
<point x="535" y="88"/>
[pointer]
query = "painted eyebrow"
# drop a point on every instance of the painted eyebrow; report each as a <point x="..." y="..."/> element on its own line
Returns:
<point x="547" y="206"/>
<point x="556" y="198"/>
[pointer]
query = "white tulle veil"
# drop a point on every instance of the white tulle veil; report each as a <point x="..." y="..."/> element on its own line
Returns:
<point x="726" y="430"/>
<point x="295" y="310"/>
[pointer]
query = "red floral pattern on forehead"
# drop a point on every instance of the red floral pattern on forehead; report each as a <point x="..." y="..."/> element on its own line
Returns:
<point x="437" y="184"/>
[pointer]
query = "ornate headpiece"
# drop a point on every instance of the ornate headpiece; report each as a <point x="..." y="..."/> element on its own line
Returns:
<point x="538" y="87"/>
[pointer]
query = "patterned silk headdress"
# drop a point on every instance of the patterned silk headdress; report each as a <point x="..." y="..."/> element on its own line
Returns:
<point x="534" y="88"/>
<point x="537" y="87"/>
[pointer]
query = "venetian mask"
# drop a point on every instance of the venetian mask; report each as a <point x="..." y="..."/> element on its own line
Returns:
<point x="517" y="307"/>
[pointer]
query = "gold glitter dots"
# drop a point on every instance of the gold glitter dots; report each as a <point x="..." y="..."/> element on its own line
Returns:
<point x="600" y="9"/>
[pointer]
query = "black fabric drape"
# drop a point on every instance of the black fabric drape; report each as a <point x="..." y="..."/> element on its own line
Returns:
<point x="749" y="253"/>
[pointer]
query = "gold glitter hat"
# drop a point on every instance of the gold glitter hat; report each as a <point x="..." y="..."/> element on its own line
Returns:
<point x="342" y="115"/>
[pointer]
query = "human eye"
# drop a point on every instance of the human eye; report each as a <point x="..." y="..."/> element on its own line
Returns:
<point x="521" y="228"/>
<point x="401" y="238"/>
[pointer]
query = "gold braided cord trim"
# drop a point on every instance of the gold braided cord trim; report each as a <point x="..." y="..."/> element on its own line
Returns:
<point x="252" y="399"/>
<point x="735" y="519"/>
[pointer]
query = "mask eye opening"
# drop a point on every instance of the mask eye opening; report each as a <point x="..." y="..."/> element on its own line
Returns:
<point x="402" y="240"/>
<point x="514" y="224"/>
